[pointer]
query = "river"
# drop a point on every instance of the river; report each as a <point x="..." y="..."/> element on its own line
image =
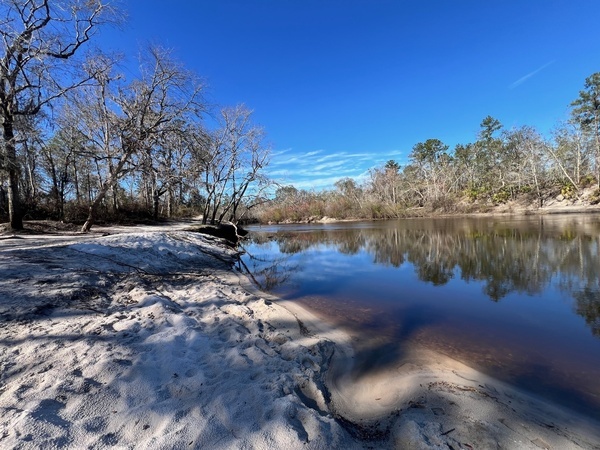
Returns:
<point x="517" y="298"/>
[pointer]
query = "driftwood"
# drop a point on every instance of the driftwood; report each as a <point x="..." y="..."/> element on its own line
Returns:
<point x="226" y="230"/>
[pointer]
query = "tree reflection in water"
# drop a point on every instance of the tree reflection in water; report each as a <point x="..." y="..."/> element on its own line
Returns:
<point x="267" y="271"/>
<point x="523" y="256"/>
<point x="588" y="307"/>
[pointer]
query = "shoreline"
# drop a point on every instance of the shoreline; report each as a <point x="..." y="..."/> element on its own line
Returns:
<point x="152" y="338"/>
<point x="504" y="210"/>
<point x="428" y="394"/>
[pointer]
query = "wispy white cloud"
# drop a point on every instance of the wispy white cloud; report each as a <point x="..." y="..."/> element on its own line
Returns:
<point x="331" y="165"/>
<point x="523" y="79"/>
<point x="320" y="170"/>
<point x="279" y="173"/>
<point x="316" y="183"/>
<point x="277" y="160"/>
<point x="326" y="158"/>
<point x="280" y="152"/>
<point x="282" y="161"/>
<point x="313" y="153"/>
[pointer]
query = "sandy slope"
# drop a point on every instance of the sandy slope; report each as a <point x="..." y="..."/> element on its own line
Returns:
<point x="151" y="340"/>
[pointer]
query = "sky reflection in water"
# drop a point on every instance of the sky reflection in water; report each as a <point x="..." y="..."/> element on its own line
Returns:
<point x="516" y="298"/>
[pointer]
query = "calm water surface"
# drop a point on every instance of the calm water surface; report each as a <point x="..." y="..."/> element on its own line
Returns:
<point x="516" y="298"/>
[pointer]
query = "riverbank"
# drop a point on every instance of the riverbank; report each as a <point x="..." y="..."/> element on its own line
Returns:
<point x="586" y="203"/>
<point x="151" y="339"/>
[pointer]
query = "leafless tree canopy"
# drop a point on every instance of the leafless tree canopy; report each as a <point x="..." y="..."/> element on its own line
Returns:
<point x="107" y="136"/>
<point x="38" y="37"/>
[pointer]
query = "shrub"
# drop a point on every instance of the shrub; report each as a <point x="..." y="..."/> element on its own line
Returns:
<point x="501" y="197"/>
<point x="472" y="194"/>
<point x="568" y="190"/>
<point x="587" y="181"/>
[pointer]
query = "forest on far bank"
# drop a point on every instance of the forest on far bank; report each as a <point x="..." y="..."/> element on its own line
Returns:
<point x="84" y="143"/>
<point x="502" y="166"/>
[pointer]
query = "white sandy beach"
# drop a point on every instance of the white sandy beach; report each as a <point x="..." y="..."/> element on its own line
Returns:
<point x="150" y="339"/>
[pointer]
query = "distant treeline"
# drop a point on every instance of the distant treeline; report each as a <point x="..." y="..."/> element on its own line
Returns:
<point x="500" y="166"/>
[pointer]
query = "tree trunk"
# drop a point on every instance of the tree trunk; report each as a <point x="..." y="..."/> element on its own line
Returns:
<point x="89" y="188"/>
<point x="61" y="205"/>
<point x="14" y="204"/>
<point x="236" y="202"/>
<point x="93" y="209"/>
<point x="111" y="182"/>
<point x="115" y="200"/>
<point x="213" y="218"/>
<point x="76" y="182"/>
<point x="32" y="194"/>
<point x="55" y="191"/>
<point x="170" y="202"/>
<point x="155" y="202"/>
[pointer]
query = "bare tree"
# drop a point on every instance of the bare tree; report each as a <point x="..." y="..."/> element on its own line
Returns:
<point x="233" y="165"/>
<point x="530" y="155"/>
<point x="121" y="120"/>
<point x="37" y="39"/>
<point x="59" y="161"/>
<point x="384" y="188"/>
<point x="431" y="162"/>
<point x="352" y="192"/>
<point x="28" y="139"/>
<point x="250" y="157"/>
<point x="163" y="166"/>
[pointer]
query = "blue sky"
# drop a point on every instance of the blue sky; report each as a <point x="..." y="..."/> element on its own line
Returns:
<point x="343" y="86"/>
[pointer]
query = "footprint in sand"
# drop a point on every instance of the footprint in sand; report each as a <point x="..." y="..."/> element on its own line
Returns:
<point x="48" y="411"/>
<point x="95" y="425"/>
<point x="110" y="439"/>
<point x="191" y="372"/>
